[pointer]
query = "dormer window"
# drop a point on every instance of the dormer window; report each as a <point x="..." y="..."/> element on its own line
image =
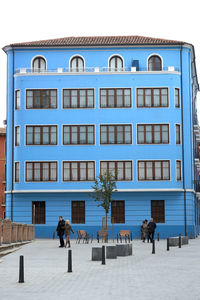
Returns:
<point x="77" y="64"/>
<point x="116" y="63"/>
<point x="39" y="64"/>
<point x="154" y="63"/>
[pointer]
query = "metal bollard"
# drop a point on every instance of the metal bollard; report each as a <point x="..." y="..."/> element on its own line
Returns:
<point x="131" y="237"/>
<point x="103" y="256"/>
<point x="97" y="237"/>
<point x="153" y="247"/>
<point x="158" y="237"/>
<point x="21" y="269"/>
<point x="69" y="261"/>
<point x="179" y="241"/>
<point x="167" y="244"/>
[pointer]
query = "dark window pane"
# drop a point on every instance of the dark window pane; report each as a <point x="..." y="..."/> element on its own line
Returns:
<point x="158" y="211"/>
<point x="154" y="63"/>
<point x="38" y="212"/>
<point x="78" y="212"/>
<point x="118" y="211"/>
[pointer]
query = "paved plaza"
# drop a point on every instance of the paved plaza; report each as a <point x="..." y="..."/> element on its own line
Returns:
<point x="164" y="275"/>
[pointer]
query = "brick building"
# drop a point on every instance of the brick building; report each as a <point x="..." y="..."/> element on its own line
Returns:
<point x="2" y="170"/>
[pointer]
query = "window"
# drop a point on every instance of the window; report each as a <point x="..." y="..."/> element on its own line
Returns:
<point x="78" y="170"/>
<point x="115" y="63"/>
<point x="158" y="211"/>
<point x="154" y="63"/>
<point x="116" y="134"/>
<point x="177" y="98"/>
<point x="17" y="171"/>
<point x="178" y="170"/>
<point x="78" y="98"/>
<point x="178" y="134"/>
<point x="41" y="99"/>
<point x="17" y="135"/>
<point x="118" y="211"/>
<point x="153" y="170"/>
<point x="78" y="212"/>
<point x="41" y="135"/>
<point x="78" y="135"/>
<point x="153" y="134"/>
<point x="17" y="100"/>
<point x="152" y="97"/>
<point x="41" y="171"/>
<point x="115" y="98"/>
<point x="121" y="170"/>
<point x="39" y="64"/>
<point x="38" y="212"/>
<point x="77" y="64"/>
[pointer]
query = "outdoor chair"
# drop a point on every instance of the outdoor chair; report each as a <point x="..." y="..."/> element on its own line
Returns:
<point x="84" y="236"/>
<point x="124" y="234"/>
<point x="103" y="234"/>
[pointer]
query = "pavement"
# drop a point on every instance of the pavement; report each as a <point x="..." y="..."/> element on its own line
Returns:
<point x="170" y="275"/>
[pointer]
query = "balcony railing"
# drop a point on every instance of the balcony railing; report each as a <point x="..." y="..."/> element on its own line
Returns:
<point x="93" y="70"/>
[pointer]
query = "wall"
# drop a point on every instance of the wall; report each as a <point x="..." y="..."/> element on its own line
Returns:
<point x="137" y="208"/>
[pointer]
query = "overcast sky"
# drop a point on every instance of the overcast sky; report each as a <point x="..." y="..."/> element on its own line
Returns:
<point x="27" y="20"/>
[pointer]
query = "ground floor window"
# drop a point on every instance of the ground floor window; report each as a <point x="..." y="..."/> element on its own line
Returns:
<point x="78" y="212"/>
<point x="38" y="212"/>
<point x="158" y="211"/>
<point x="118" y="211"/>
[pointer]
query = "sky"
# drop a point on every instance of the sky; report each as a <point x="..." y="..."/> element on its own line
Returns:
<point x="28" y="20"/>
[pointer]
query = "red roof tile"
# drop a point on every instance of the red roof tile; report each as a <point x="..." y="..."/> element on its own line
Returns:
<point x="99" y="41"/>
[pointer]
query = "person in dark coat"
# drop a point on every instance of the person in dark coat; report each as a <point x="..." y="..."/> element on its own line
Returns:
<point x="151" y="228"/>
<point x="60" y="231"/>
<point x="68" y="230"/>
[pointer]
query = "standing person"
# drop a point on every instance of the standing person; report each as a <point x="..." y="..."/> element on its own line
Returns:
<point x="151" y="228"/>
<point x="141" y="230"/>
<point x="145" y="231"/>
<point x="68" y="230"/>
<point x="60" y="231"/>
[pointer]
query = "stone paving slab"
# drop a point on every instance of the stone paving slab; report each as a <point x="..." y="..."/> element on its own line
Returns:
<point x="167" y="275"/>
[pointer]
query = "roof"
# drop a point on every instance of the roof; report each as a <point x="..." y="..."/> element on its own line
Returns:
<point x="3" y="131"/>
<point x="98" y="41"/>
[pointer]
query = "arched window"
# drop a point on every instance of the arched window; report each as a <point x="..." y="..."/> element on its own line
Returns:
<point x="39" y="64"/>
<point x="116" y="63"/>
<point x="77" y="64"/>
<point x="154" y="63"/>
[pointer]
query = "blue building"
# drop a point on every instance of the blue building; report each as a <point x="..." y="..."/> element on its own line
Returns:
<point x="79" y="106"/>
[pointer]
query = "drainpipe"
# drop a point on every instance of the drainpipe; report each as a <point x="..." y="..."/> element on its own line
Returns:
<point x="183" y="153"/>
<point x="13" y="134"/>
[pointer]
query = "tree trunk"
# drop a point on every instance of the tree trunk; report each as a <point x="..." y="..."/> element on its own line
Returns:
<point x="106" y="227"/>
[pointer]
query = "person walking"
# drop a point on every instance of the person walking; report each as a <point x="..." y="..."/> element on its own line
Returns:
<point x="60" y="231"/>
<point x="151" y="229"/>
<point x="145" y="231"/>
<point x="141" y="230"/>
<point x="68" y="230"/>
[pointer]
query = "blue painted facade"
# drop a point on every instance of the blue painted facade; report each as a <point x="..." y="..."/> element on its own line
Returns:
<point x="181" y="197"/>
